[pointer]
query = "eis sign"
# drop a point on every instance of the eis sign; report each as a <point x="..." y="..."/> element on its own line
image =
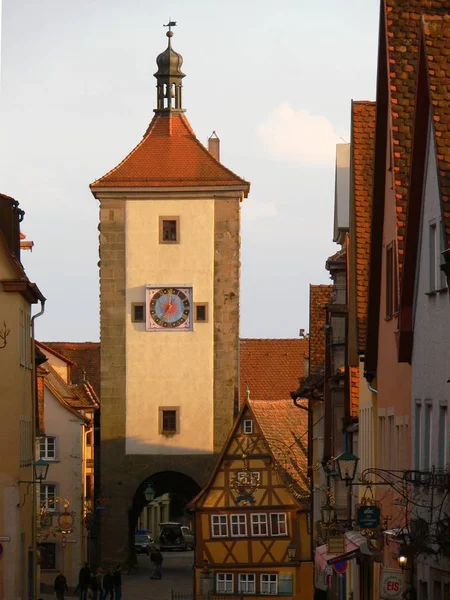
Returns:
<point x="391" y="584"/>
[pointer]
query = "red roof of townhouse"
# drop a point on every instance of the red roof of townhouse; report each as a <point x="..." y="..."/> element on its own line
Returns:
<point x="363" y="142"/>
<point x="271" y="368"/>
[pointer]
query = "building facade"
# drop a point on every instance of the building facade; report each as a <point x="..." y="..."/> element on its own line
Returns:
<point x="252" y="519"/>
<point x="169" y="294"/>
<point x="18" y="408"/>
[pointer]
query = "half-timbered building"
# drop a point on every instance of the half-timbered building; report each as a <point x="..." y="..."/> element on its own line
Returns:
<point x="252" y="519"/>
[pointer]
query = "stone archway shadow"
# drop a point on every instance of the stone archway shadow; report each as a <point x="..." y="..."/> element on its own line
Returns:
<point x="182" y="489"/>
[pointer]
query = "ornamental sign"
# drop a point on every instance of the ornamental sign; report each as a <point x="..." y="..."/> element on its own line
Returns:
<point x="391" y="584"/>
<point x="336" y="544"/>
<point x="368" y="517"/>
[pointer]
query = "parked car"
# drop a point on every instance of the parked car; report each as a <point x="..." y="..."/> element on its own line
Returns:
<point x="175" y="536"/>
<point x="142" y="543"/>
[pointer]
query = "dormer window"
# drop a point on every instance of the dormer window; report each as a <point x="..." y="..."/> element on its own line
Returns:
<point x="248" y="426"/>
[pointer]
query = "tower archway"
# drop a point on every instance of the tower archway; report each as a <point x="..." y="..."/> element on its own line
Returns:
<point x="173" y="490"/>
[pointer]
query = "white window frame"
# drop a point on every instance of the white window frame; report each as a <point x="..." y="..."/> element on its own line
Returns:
<point x="44" y="488"/>
<point x="247" y="427"/>
<point x="280" y="521"/>
<point x="244" y="582"/>
<point x="267" y="580"/>
<point x="261" y="519"/>
<point x="217" y="521"/>
<point x="44" y="441"/>
<point x="224" y="580"/>
<point x="239" y="520"/>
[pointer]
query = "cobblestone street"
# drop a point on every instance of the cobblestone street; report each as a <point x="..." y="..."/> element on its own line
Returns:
<point x="177" y="576"/>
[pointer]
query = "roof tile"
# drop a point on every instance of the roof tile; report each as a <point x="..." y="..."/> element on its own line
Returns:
<point x="169" y="156"/>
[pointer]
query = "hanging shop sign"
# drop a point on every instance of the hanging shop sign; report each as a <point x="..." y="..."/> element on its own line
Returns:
<point x="368" y="517"/>
<point x="392" y="582"/>
<point x="336" y="544"/>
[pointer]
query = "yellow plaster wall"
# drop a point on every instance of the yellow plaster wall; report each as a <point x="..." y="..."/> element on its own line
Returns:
<point x="15" y="404"/>
<point x="169" y="368"/>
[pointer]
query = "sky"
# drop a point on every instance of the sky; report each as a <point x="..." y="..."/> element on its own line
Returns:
<point x="273" y="79"/>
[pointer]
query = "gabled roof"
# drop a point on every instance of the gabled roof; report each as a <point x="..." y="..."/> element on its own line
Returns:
<point x="61" y="391"/>
<point x="169" y="156"/>
<point x="285" y="431"/>
<point x="85" y="358"/>
<point x="398" y="46"/>
<point x="432" y="95"/>
<point x="402" y="19"/>
<point x="271" y="368"/>
<point x="319" y="298"/>
<point x="362" y="157"/>
<point x="437" y="49"/>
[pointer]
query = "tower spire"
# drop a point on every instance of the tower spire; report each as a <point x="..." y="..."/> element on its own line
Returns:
<point x="169" y="77"/>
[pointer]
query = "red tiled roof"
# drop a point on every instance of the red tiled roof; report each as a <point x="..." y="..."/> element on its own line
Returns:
<point x="437" y="47"/>
<point x="402" y="29"/>
<point x="363" y="146"/>
<point x="169" y="156"/>
<point x="319" y="298"/>
<point x="285" y="429"/>
<point x="271" y="368"/>
<point x="86" y="356"/>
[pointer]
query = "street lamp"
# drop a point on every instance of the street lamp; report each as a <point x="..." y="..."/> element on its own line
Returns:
<point x="291" y="550"/>
<point x="402" y="559"/>
<point x="347" y="464"/>
<point x="149" y="493"/>
<point x="328" y="513"/>
<point x="40" y="468"/>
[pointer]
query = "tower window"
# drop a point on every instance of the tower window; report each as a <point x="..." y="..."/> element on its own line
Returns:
<point x="137" y="312"/>
<point x="169" y="420"/>
<point x="169" y="230"/>
<point x="201" y="312"/>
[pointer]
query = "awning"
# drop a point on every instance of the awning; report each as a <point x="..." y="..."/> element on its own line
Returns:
<point x="355" y="544"/>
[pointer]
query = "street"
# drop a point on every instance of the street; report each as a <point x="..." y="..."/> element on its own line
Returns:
<point x="177" y="575"/>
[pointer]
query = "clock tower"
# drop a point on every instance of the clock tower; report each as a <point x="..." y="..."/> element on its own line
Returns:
<point x="169" y="307"/>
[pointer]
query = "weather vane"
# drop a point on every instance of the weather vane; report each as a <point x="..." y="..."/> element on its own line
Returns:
<point x="170" y="24"/>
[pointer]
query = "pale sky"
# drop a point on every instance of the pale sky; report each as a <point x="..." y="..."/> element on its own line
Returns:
<point x="273" y="79"/>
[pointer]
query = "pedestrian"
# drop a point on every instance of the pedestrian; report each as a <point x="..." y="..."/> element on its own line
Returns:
<point x="84" y="578"/>
<point x="93" y="586"/>
<point x="108" y="585"/>
<point x="117" y="580"/>
<point x="99" y="577"/>
<point x="60" y="586"/>
<point x="156" y="559"/>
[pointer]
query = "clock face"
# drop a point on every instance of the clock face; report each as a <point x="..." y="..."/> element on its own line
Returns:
<point x="169" y="308"/>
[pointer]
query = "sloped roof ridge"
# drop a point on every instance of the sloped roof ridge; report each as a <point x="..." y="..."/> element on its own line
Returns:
<point x="189" y="131"/>
<point x="56" y="353"/>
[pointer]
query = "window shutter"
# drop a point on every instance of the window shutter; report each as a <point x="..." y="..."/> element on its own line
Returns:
<point x="285" y="586"/>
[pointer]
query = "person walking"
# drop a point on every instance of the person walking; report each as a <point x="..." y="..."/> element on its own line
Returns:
<point x="84" y="579"/>
<point x="60" y="586"/>
<point x="93" y="586"/>
<point x="108" y="585"/>
<point x="117" y="580"/>
<point x="99" y="578"/>
<point x="156" y="559"/>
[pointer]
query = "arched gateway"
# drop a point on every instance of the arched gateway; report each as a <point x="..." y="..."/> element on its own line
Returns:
<point x="169" y="298"/>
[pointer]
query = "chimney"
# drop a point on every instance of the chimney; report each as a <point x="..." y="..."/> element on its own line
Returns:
<point x="214" y="145"/>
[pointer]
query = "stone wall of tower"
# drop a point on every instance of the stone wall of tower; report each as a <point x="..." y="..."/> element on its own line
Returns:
<point x="226" y="314"/>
